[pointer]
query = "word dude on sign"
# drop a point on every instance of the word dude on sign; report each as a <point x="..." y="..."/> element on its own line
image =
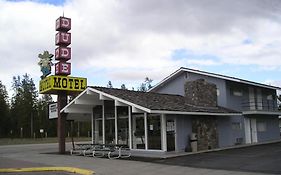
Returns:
<point x="55" y="83"/>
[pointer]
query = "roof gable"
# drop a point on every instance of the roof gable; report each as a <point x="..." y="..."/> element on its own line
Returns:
<point x="140" y="102"/>
<point x="160" y="102"/>
<point x="224" y="77"/>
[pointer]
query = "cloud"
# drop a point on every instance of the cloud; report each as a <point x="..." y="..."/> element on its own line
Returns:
<point x="129" y="40"/>
<point x="54" y="2"/>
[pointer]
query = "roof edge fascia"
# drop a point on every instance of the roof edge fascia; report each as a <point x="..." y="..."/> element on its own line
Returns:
<point x="165" y="79"/>
<point x="195" y="113"/>
<point x="256" y="112"/>
<point x="121" y="100"/>
<point x="224" y="77"/>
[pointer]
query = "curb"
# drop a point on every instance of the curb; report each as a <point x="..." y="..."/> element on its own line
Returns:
<point x="224" y="148"/>
<point x="238" y="146"/>
<point x="38" y="169"/>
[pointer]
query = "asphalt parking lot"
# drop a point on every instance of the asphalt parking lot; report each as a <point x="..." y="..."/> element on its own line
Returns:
<point x="254" y="160"/>
<point x="260" y="158"/>
<point x="39" y="173"/>
<point x="12" y="163"/>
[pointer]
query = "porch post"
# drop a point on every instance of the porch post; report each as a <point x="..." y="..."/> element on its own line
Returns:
<point x="163" y="133"/>
<point x="97" y="137"/>
<point x="145" y="131"/>
<point x="103" y="125"/>
<point x="130" y="127"/>
<point x="115" y="119"/>
<point x="134" y="144"/>
<point x="92" y="126"/>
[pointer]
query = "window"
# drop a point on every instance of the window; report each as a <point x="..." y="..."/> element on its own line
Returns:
<point x="218" y="92"/>
<point x="236" y="126"/>
<point x="237" y="93"/>
<point x="269" y="97"/>
<point x="261" y="126"/>
<point x="238" y="141"/>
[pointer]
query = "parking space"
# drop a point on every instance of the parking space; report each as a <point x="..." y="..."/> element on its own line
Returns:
<point x="260" y="158"/>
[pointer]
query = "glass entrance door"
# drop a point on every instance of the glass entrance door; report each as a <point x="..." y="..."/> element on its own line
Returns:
<point x="170" y="135"/>
<point x="138" y="138"/>
<point x="154" y="131"/>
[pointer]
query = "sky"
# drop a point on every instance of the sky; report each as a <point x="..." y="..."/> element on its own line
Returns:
<point x="124" y="41"/>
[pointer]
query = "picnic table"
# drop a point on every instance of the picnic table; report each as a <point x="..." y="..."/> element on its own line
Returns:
<point x="112" y="151"/>
<point x="79" y="149"/>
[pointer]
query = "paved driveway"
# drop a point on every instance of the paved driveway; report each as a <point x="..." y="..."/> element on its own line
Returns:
<point x="232" y="162"/>
<point x="261" y="158"/>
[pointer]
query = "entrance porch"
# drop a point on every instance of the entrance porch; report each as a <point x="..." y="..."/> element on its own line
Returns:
<point x="116" y="122"/>
<point x="145" y="122"/>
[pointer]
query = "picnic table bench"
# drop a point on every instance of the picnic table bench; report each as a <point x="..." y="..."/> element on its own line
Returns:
<point x="112" y="151"/>
<point x="80" y="148"/>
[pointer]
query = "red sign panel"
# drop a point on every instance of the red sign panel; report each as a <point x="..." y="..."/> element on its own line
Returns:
<point x="63" y="53"/>
<point x="63" y="24"/>
<point x="63" y="68"/>
<point x="63" y="39"/>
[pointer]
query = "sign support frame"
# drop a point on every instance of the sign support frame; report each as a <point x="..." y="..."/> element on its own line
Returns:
<point x="62" y="102"/>
<point x="61" y="83"/>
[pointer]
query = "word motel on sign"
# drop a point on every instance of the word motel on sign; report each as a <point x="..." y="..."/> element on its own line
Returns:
<point x="53" y="83"/>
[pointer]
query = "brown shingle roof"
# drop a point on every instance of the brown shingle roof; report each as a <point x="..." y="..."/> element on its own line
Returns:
<point x="163" y="102"/>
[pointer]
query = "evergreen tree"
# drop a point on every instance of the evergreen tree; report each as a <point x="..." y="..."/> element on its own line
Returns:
<point x="24" y="106"/>
<point x="4" y="112"/>
<point x="148" y="82"/>
<point x="49" y="126"/>
<point x="146" y="85"/>
<point x="142" y="87"/>
<point x="109" y="84"/>
<point x="123" y="86"/>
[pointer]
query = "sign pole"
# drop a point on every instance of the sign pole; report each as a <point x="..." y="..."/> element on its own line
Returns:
<point x="62" y="102"/>
<point x="60" y="83"/>
<point x="62" y="54"/>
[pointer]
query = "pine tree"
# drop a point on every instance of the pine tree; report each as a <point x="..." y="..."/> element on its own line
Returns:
<point x="123" y="86"/>
<point x="109" y="84"/>
<point x="24" y="106"/>
<point x="4" y="111"/>
<point x="146" y="85"/>
<point x="49" y="126"/>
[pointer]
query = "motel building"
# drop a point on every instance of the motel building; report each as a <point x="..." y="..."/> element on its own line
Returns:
<point x="189" y="106"/>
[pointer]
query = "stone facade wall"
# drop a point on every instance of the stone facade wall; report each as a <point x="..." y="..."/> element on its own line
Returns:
<point x="206" y="130"/>
<point x="201" y="93"/>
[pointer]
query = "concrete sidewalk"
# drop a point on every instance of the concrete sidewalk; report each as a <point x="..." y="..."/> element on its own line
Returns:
<point x="40" y="155"/>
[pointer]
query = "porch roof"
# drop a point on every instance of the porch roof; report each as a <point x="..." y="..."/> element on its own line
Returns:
<point x="148" y="102"/>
